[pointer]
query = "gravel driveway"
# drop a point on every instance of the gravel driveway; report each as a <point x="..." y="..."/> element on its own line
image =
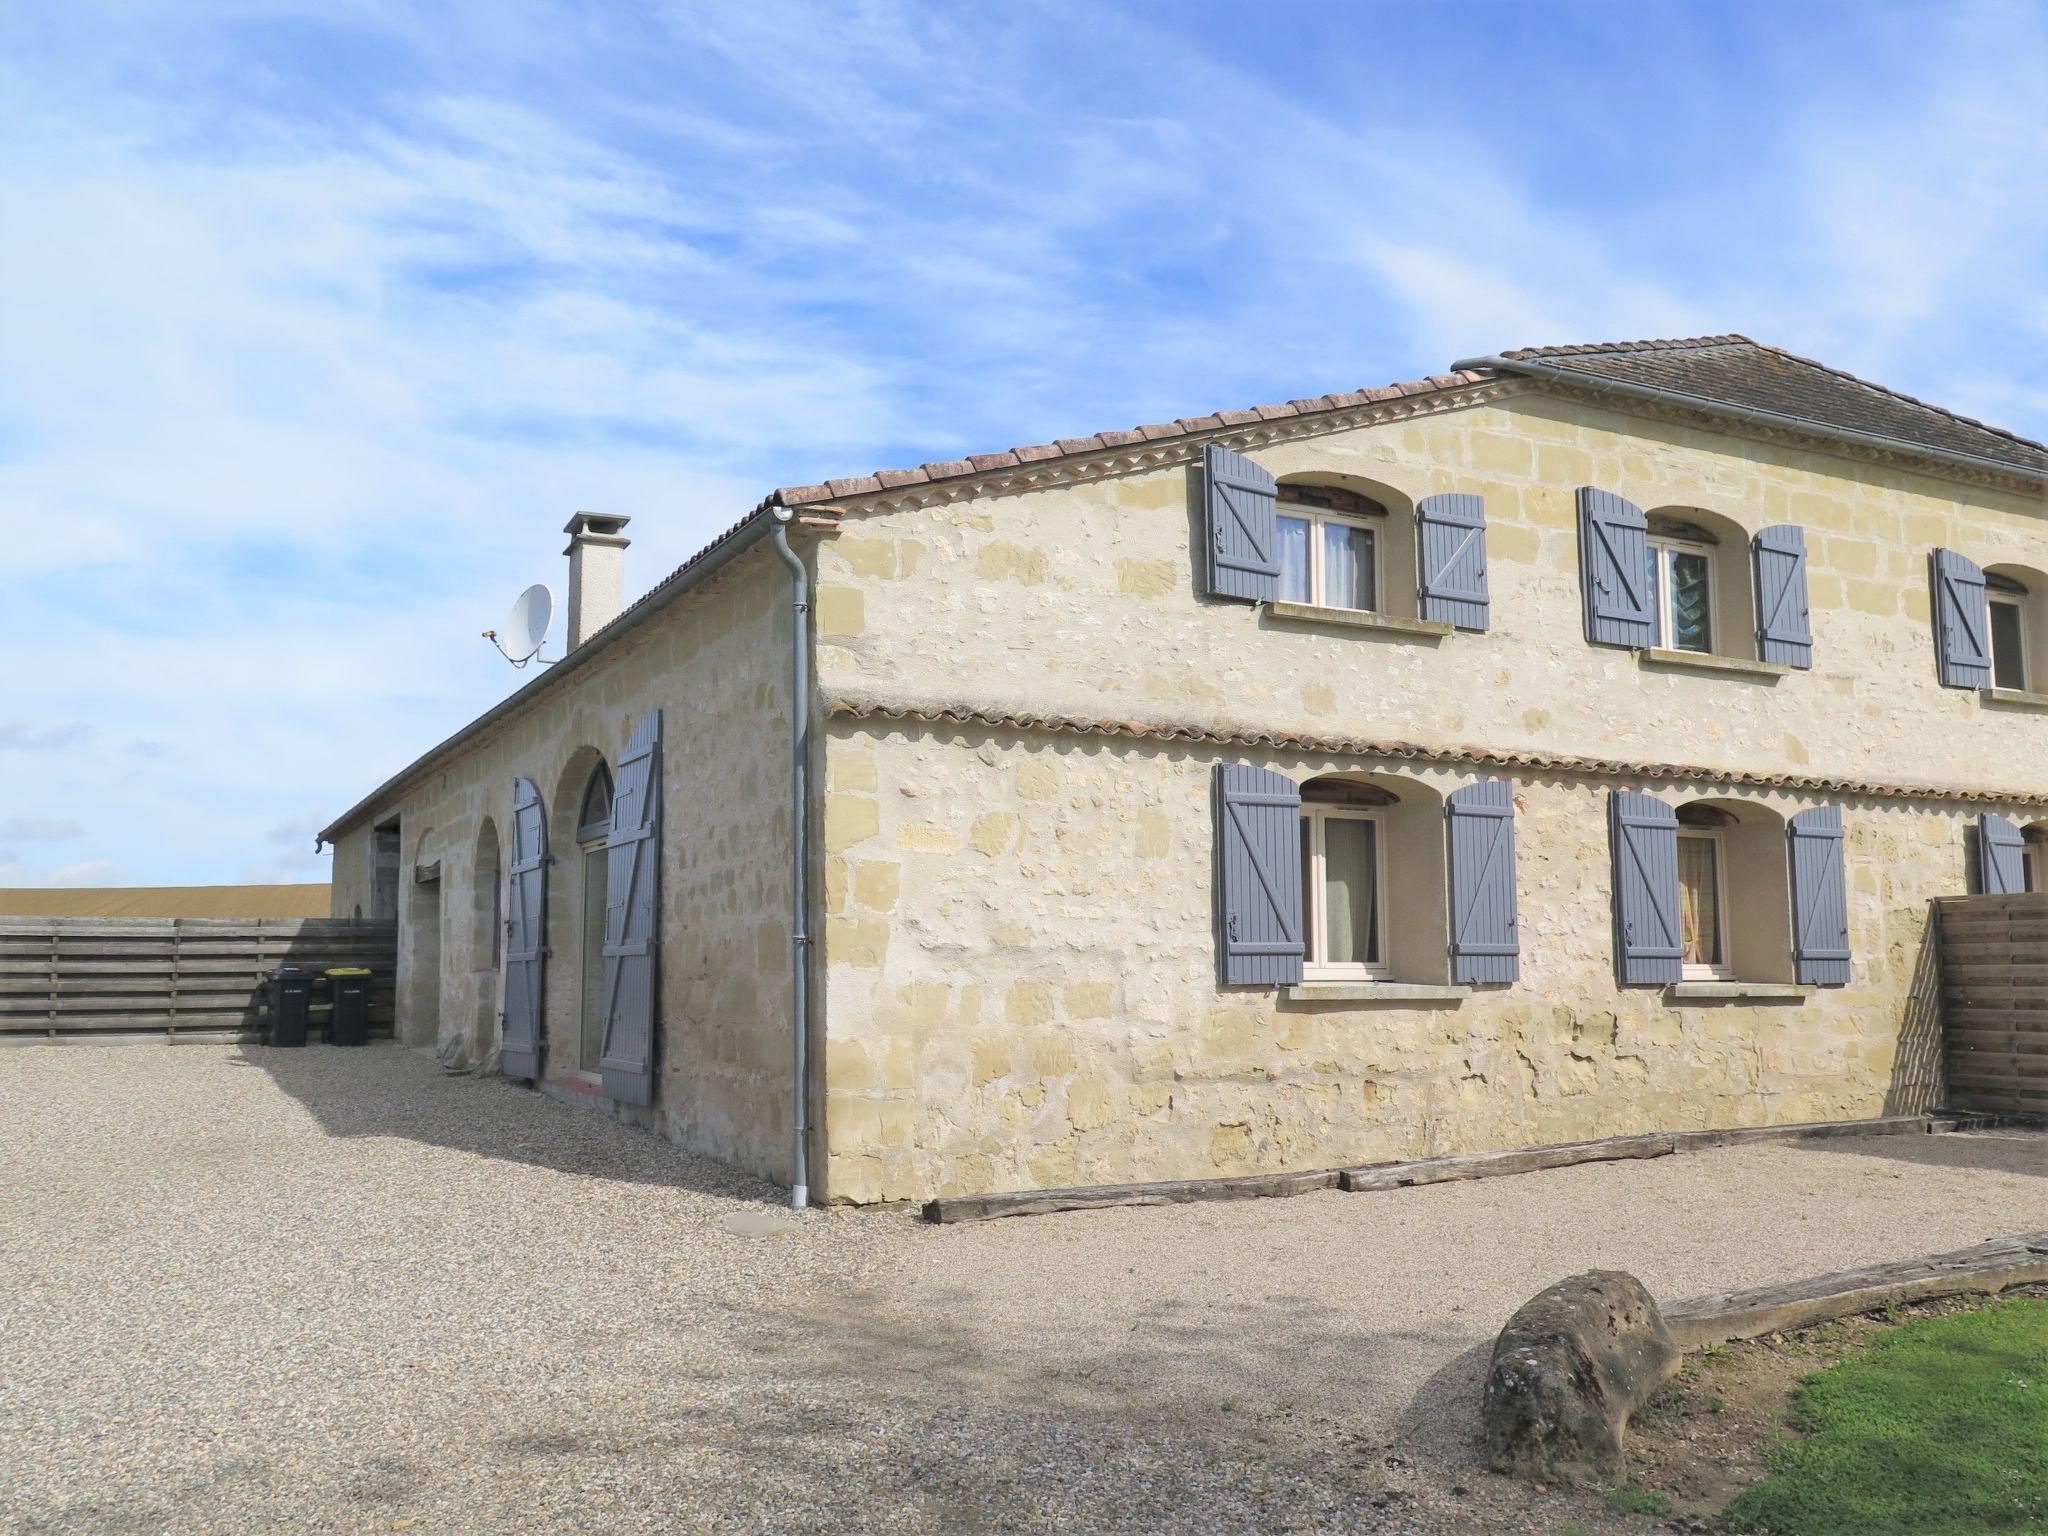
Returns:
<point x="246" y="1290"/>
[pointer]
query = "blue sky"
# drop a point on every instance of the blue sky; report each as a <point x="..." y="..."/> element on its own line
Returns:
<point x="317" y="322"/>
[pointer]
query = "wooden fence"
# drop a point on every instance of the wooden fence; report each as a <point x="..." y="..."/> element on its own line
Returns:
<point x="84" y="975"/>
<point x="1994" y="990"/>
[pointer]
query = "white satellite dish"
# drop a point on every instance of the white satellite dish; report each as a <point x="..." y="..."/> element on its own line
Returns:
<point x="526" y="626"/>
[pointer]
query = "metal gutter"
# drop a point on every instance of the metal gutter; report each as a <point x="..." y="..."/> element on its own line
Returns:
<point x="1532" y="368"/>
<point x="703" y="565"/>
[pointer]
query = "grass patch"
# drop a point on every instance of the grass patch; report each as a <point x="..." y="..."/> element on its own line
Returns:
<point x="1938" y="1428"/>
<point x="1636" y="1501"/>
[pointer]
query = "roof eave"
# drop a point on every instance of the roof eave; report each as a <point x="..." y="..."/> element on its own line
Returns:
<point x="715" y="556"/>
<point x="1954" y="458"/>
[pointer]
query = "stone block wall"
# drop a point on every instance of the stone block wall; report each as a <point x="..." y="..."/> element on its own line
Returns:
<point x="1022" y="986"/>
<point x="717" y="664"/>
<point x="1084" y="599"/>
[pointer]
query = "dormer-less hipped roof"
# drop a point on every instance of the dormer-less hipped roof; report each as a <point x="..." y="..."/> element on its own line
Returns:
<point x="1746" y="380"/>
<point x="1751" y="386"/>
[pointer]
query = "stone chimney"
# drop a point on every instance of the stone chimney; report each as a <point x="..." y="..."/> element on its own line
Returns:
<point x="597" y="572"/>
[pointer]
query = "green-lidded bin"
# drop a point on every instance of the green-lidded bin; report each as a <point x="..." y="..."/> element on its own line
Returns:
<point x="291" y="993"/>
<point x="349" y="1022"/>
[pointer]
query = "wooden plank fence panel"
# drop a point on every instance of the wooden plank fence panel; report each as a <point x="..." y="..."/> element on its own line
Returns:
<point x="1994" y="990"/>
<point x="80" y="974"/>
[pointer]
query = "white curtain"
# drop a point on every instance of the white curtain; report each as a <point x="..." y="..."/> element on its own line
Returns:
<point x="1294" y="586"/>
<point x="1699" y="900"/>
<point x="1350" y="890"/>
<point x="1347" y="566"/>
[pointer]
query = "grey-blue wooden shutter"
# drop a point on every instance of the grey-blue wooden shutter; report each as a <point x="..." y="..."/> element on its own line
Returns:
<point x="632" y="919"/>
<point x="1820" y="899"/>
<point x="1784" y="622"/>
<point x="1258" y="876"/>
<point x="2001" y="857"/>
<point x="526" y="918"/>
<point x="1614" y="570"/>
<point x="1450" y="535"/>
<point x="1647" y="947"/>
<point x="1486" y="940"/>
<point x="1240" y="502"/>
<point x="1962" y="622"/>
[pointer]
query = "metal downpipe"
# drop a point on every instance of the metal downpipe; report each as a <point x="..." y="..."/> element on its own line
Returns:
<point x="800" y="937"/>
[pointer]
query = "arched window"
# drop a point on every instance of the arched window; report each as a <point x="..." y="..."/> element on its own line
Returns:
<point x="1734" y="893"/>
<point x="1362" y="835"/>
<point x="594" y="818"/>
<point x="486" y="901"/>
<point x="593" y="827"/>
<point x="2034" y="857"/>
<point x="1699" y="584"/>
<point x="1333" y="545"/>
<point x="2018" y="601"/>
<point x="1344" y="867"/>
<point x="486" y="935"/>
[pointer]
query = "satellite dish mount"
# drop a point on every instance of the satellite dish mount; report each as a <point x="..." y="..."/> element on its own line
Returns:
<point x="526" y="628"/>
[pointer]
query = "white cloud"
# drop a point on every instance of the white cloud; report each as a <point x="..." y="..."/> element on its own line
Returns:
<point x="90" y="872"/>
<point x="305" y="372"/>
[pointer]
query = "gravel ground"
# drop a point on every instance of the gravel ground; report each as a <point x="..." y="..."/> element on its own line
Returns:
<point x="246" y="1290"/>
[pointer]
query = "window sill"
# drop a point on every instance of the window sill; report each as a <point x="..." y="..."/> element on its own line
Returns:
<point x="1359" y="618"/>
<point x="1373" y="992"/>
<point x="2014" y="698"/>
<point x="1696" y="661"/>
<point x="1737" y="991"/>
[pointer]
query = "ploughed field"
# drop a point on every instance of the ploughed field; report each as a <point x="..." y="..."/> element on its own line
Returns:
<point x="245" y="1289"/>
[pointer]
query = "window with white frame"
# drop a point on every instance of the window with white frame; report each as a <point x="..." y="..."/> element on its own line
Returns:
<point x="1330" y="547"/>
<point x="2034" y="859"/>
<point x="1681" y="571"/>
<point x="1703" y="904"/>
<point x="1344" y="867"/>
<point x="2008" y="599"/>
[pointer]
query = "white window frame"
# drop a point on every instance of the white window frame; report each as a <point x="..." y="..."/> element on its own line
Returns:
<point x="1662" y="548"/>
<point x="1725" y="970"/>
<point x="1315" y="966"/>
<point x="1318" y="583"/>
<point x="2018" y="604"/>
<point x="2033" y="864"/>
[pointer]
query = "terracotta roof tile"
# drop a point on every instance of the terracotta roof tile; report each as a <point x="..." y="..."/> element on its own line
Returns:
<point x="1151" y="432"/>
<point x="1477" y="756"/>
<point x="1725" y="371"/>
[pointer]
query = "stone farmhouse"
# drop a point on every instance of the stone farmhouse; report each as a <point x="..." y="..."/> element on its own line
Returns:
<point x="1561" y="747"/>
